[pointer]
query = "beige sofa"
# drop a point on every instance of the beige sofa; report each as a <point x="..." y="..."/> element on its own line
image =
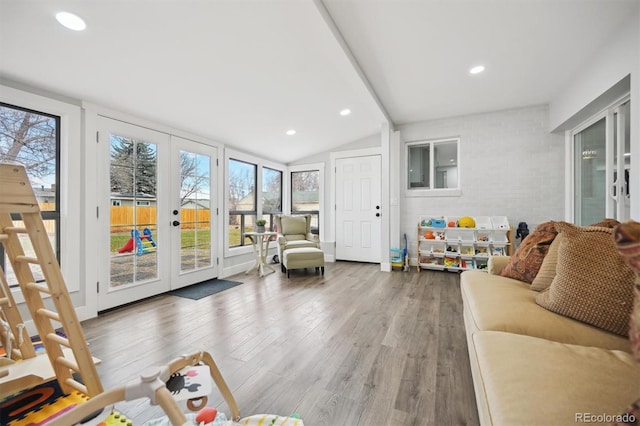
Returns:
<point x="531" y="366"/>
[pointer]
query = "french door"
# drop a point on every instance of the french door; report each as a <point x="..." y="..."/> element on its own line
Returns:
<point x="358" y="208"/>
<point x="155" y="212"/>
<point x="601" y="166"/>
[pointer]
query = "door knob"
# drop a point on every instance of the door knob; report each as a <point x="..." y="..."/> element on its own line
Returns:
<point x="175" y="212"/>
<point x="377" y="207"/>
<point x="175" y="223"/>
<point x="377" y="214"/>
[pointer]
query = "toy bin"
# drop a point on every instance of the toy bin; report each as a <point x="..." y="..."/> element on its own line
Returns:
<point x="437" y="247"/>
<point x="451" y="221"/>
<point x="499" y="237"/>
<point x="481" y="264"/>
<point x="452" y="235"/>
<point x="431" y="261"/>
<point x="466" y="234"/>
<point x="483" y="222"/>
<point x="500" y="222"/>
<point x="451" y="262"/>
<point x="499" y="250"/>
<point x="482" y="251"/>
<point x="467" y="251"/>
<point x="397" y="257"/>
<point x="483" y="236"/>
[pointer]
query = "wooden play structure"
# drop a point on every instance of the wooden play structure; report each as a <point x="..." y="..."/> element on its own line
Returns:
<point x="67" y="354"/>
<point x="48" y="301"/>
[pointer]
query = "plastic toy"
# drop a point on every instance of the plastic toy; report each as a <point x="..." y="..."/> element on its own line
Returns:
<point x="438" y="223"/>
<point x="140" y="243"/>
<point x="451" y="261"/>
<point x="451" y="224"/>
<point x="429" y="235"/>
<point x="466" y="222"/>
<point x="206" y="415"/>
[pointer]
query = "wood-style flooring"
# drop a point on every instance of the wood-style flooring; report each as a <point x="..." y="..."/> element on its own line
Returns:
<point x="355" y="347"/>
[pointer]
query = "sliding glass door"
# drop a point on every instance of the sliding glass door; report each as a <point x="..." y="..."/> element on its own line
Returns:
<point x="601" y="164"/>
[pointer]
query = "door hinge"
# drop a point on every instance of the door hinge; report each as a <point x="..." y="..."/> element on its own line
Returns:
<point x="97" y="137"/>
<point x="217" y="260"/>
<point x="97" y="212"/>
<point x="217" y="211"/>
<point x="98" y="287"/>
<point x="217" y="163"/>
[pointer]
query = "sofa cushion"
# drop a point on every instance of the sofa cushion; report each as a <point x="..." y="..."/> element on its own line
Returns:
<point x="593" y="284"/>
<point x="533" y="381"/>
<point x="492" y="302"/>
<point x="526" y="261"/>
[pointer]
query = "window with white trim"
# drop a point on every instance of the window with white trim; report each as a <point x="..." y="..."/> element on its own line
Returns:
<point x="433" y="167"/>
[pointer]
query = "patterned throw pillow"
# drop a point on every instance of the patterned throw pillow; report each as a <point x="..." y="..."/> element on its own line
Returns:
<point x="526" y="261"/>
<point x="547" y="271"/>
<point x="593" y="284"/>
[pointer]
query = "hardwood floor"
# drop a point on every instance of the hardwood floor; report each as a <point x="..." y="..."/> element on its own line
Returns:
<point x="355" y="347"/>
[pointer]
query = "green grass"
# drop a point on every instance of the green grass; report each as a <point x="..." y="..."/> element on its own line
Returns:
<point x="187" y="239"/>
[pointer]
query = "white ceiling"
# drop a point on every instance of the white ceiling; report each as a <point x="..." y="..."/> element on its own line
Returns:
<point x="242" y="72"/>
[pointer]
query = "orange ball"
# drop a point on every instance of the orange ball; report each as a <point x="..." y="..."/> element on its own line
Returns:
<point x="451" y="224"/>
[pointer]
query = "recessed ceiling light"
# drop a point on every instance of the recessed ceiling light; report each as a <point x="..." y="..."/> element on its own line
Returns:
<point x="291" y="132"/>
<point x="477" y="69"/>
<point x="71" y="21"/>
<point x="345" y="112"/>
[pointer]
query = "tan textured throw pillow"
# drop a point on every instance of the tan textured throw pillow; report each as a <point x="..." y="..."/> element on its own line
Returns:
<point x="547" y="271"/>
<point x="593" y="284"/>
<point x="525" y="262"/>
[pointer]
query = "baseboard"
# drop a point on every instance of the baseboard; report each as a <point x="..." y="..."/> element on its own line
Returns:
<point x="236" y="269"/>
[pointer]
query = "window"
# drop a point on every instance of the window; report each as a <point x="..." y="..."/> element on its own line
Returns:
<point x="271" y="194"/>
<point x="243" y="207"/>
<point x="305" y="196"/>
<point x="433" y="166"/>
<point x="32" y="138"/>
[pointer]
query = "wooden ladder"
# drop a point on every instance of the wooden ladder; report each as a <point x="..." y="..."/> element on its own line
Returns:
<point x="68" y="354"/>
<point x="16" y="339"/>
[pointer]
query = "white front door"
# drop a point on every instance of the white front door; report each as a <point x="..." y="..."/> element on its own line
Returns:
<point x="155" y="212"/>
<point x="358" y="208"/>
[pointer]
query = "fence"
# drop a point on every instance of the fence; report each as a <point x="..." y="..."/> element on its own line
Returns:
<point x="123" y="216"/>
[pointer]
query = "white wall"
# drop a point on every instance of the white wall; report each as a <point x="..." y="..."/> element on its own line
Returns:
<point x="510" y="165"/>
<point x="617" y="58"/>
<point x="612" y="71"/>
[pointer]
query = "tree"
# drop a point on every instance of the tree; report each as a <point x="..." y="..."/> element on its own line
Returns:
<point x="30" y="139"/>
<point x="192" y="180"/>
<point x="133" y="166"/>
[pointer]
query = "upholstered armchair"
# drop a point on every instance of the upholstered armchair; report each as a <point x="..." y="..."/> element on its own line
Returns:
<point x="294" y="231"/>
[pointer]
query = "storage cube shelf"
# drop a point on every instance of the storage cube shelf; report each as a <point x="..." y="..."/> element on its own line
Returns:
<point x="452" y="248"/>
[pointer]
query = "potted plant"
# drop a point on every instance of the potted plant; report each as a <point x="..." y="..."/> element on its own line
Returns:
<point x="260" y="223"/>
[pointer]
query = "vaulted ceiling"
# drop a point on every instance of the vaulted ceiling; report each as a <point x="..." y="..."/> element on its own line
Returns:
<point x="244" y="72"/>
